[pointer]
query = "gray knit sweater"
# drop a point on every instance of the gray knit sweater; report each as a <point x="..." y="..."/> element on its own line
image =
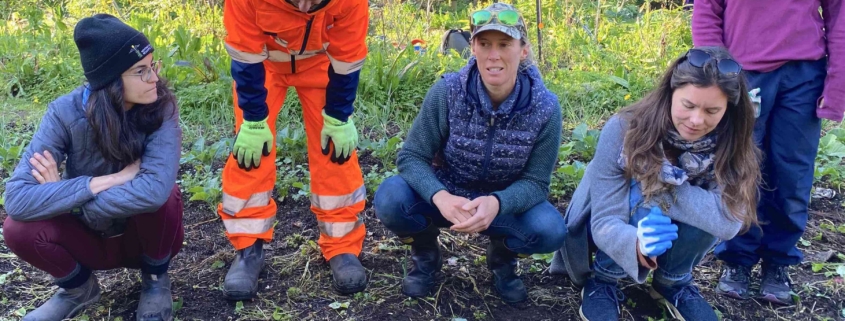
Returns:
<point x="602" y="197"/>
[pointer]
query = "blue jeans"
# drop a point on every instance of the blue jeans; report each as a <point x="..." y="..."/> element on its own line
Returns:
<point x="539" y="230"/>
<point x="673" y="267"/>
<point x="787" y="131"/>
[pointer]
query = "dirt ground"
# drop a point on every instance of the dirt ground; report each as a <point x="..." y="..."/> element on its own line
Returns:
<point x="295" y="282"/>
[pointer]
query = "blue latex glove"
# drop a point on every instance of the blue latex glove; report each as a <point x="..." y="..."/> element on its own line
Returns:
<point x="655" y="233"/>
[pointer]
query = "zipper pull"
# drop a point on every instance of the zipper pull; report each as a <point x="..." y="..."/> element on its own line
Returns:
<point x="492" y="120"/>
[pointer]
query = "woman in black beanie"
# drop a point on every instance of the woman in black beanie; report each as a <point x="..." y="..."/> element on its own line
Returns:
<point x="117" y="203"/>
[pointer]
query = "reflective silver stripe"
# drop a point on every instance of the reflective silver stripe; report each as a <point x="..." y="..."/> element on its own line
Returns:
<point x="281" y="42"/>
<point x="232" y="205"/>
<point x="281" y="56"/>
<point x="310" y="53"/>
<point x="338" y="229"/>
<point x="278" y="56"/>
<point x="249" y="225"/>
<point x="345" y="68"/>
<point x="328" y="203"/>
<point x="246" y="57"/>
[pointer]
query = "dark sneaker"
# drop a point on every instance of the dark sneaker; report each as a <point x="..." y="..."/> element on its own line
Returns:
<point x="600" y="301"/>
<point x="684" y="302"/>
<point x="775" y="286"/>
<point x="734" y="281"/>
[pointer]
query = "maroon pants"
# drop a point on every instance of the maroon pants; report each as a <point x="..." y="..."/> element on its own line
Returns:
<point x="58" y="244"/>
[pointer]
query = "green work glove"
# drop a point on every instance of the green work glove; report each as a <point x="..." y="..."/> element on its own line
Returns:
<point x="342" y="135"/>
<point x="254" y="139"/>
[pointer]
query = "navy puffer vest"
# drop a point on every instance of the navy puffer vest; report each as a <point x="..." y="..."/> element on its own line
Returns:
<point x="487" y="149"/>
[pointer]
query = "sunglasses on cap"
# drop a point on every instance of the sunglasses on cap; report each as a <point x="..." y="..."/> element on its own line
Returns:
<point x="505" y="17"/>
<point x="726" y="67"/>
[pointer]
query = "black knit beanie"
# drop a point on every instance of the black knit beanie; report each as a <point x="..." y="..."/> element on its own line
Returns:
<point x="107" y="48"/>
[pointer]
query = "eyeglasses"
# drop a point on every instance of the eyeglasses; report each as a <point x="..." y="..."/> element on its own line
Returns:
<point x="506" y="17"/>
<point x="147" y="72"/>
<point x="727" y="67"/>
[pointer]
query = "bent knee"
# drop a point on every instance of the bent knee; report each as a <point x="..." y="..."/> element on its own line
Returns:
<point x="549" y="240"/>
<point x="548" y="230"/>
<point x="21" y="235"/>
<point x="389" y="201"/>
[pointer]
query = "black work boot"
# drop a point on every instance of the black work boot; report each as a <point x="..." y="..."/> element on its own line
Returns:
<point x="242" y="279"/>
<point x="156" y="303"/>
<point x="348" y="275"/>
<point x="502" y="263"/>
<point x="425" y="253"/>
<point x="66" y="303"/>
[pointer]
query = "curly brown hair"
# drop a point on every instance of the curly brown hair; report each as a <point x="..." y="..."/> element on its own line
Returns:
<point x="737" y="158"/>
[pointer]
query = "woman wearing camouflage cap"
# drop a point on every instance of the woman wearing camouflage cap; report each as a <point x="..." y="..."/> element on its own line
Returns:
<point x="478" y="159"/>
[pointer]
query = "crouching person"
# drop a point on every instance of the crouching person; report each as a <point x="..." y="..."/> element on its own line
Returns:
<point x="495" y="129"/>
<point x="117" y="203"/>
<point x="672" y="173"/>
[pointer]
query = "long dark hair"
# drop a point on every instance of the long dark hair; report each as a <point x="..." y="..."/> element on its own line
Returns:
<point x="737" y="157"/>
<point x="119" y="134"/>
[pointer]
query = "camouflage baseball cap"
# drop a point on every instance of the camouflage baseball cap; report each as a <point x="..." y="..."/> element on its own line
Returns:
<point x="517" y="31"/>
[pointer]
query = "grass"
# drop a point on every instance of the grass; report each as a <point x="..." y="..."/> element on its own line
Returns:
<point x="597" y="56"/>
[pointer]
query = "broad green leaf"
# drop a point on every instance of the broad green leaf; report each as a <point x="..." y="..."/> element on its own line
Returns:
<point x="580" y="132"/>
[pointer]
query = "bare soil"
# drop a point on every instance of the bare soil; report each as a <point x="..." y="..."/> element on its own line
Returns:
<point x="295" y="282"/>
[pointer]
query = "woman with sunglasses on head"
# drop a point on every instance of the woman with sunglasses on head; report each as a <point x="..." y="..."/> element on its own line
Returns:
<point x="672" y="173"/>
<point x="795" y="58"/>
<point x="117" y="203"/>
<point x="478" y="159"/>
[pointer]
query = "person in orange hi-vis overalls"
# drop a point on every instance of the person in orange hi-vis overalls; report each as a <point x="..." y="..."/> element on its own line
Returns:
<point x="318" y="47"/>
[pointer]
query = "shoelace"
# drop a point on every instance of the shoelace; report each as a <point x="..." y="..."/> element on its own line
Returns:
<point x="781" y="275"/>
<point x="739" y="273"/>
<point x="689" y="292"/>
<point x="610" y="292"/>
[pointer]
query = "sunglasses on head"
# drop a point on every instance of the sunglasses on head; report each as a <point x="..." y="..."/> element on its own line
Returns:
<point x="505" y="17"/>
<point x="726" y="67"/>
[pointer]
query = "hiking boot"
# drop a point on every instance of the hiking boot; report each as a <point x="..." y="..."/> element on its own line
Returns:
<point x="684" y="302"/>
<point x="600" y="301"/>
<point x="775" y="286"/>
<point x="734" y="281"/>
<point x="348" y="275"/>
<point x="66" y="303"/>
<point x="241" y="281"/>
<point x="156" y="303"/>
<point x="425" y="253"/>
<point x="502" y="263"/>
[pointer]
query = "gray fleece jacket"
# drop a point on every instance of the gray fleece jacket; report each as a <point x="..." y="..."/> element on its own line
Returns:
<point x="602" y="200"/>
<point x="65" y="132"/>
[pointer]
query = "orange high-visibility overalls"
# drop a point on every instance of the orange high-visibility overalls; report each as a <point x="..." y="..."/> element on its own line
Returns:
<point x="274" y="46"/>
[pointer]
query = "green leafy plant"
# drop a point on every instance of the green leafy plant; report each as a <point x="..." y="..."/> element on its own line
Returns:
<point x="203" y="184"/>
<point x="830" y="156"/>
<point x="584" y="141"/>
<point x="292" y="181"/>
<point x="200" y="153"/>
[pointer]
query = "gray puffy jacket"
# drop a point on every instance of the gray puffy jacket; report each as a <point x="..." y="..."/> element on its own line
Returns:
<point x="65" y="132"/>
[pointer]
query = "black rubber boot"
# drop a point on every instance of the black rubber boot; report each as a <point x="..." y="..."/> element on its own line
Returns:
<point x="348" y="275"/>
<point x="425" y="253"/>
<point x="156" y="302"/>
<point x="502" y="263"/>
<point x="67" y="303"/>
<point x="242" y="279"/>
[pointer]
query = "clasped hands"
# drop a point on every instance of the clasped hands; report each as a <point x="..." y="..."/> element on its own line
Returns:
<point x="467" y="216"/>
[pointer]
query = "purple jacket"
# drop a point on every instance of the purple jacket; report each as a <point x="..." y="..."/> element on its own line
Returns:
<point x="765" y="34"/>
